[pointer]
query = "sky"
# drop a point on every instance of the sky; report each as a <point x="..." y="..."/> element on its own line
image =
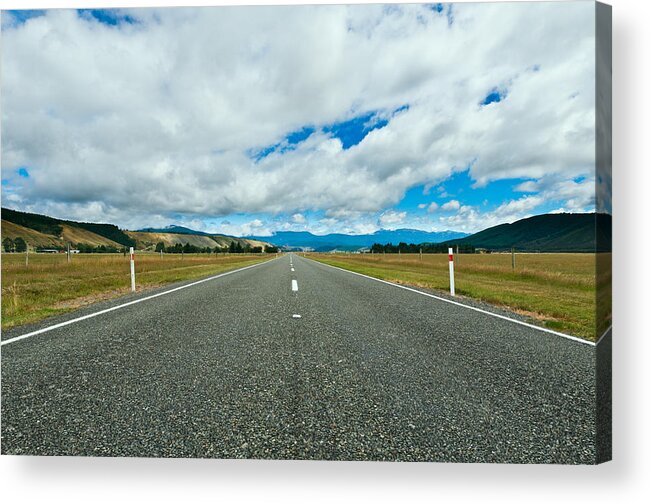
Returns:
<point x="251" y="120"/>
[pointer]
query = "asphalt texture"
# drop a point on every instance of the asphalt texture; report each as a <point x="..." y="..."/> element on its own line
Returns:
<point x="369" y="371"/>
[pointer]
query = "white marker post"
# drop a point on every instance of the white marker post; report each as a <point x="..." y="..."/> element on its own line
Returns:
<point x="133" y="271"/>
<point x="451" y="258"/>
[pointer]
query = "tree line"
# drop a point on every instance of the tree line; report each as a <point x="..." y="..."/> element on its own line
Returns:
<point x="17" y="245"/>
<point x="426" y="248"/>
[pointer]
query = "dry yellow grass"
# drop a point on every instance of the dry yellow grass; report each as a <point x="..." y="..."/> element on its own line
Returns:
<point x="76" y="235"/>
<point x="556" y="290"/>
<point x="50" y="285"/>
<point x="70" y="234"/>
<point x="31" y="236"/>
<point x="147" y="240"/>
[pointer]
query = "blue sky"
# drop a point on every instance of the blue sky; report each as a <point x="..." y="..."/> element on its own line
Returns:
<point x="248" y="120"/>
<point x="109" y="17"/>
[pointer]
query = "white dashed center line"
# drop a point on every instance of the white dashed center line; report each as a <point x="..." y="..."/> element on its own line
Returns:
<point x="296" y="315"/>
<point x="292" y="269"/>
<point x="294" y="285"/>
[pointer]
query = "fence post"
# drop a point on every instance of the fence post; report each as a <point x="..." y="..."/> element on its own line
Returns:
<point x="68" y="252"/>
<point x="26" y="254"/>
<point x="513" y="258"/>
<point x="421" y="253"/>
<point x="133" y="271"/>
<point x="451" y="260"/>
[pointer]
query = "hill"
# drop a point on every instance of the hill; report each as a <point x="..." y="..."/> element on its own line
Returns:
<point x="147" y="240"/>
<point x="339" y="241"/>
<point x="172" y="229"/>
<point x="31" y="236"/>
<point x="64" y="231"/>
<point x="563" y="232"/>
<point x="42" y="231"/>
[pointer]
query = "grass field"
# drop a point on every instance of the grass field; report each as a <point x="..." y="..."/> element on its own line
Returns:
<point x="50" y="286"/>
<point x="558" y="291"/>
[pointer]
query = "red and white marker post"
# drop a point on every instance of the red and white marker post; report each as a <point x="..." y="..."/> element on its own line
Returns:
<point x="451" y="258"/>
<point x="133" y="271"/>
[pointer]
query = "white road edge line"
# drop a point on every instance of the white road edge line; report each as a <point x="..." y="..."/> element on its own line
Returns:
<point x="294" y="285"/>
<point x="135" y="301"/>
<point x="610" y="327"/>
<point x="543" y="329"/>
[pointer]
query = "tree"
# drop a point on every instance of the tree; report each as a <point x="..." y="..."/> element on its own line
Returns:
<point x="20" y="245"/>
<point x="232" y="248"/>
<point x="160" y="247"/>
<point x="8" y="244"/>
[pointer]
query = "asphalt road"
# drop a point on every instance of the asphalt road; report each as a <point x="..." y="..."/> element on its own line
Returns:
<point x="368" y="372"/>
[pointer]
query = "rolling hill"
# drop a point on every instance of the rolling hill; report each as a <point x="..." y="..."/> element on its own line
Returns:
<point x="33" y="237"/>
<point x="173" y="229"/>
<point x="146" y="240"/>
<point x="68" y="234"/>
<point x="42" y="231"/>
<point x="64" y="231"/>
<point x="562" y="232"/>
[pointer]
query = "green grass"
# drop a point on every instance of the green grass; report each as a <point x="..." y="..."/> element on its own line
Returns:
<point x="50" y="285"/>
<point x="557" y="291"/>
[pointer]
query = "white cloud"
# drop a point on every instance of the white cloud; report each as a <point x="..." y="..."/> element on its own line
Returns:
<point x="139" y="122"/>
<point x="256" y="227"/>
<point x="391" y="218"/>
<point x="471" y="219"/>
<point x="518" y="207"/>
<point x="298" y="218"/>
<point x="451" y="205"/>
<point x="528" y="186"/>
<point x="431" y="207"/>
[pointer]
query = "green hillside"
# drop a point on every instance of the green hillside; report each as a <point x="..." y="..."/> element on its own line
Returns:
<point x="55" y="227"/>
<point x="563" y="232"/>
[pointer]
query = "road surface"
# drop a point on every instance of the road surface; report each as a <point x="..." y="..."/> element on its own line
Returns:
<point x="298" y="361"/>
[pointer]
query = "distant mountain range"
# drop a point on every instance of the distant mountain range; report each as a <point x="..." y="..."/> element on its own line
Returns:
<point x="337" y="241"/>
<point x="564" y="232"/>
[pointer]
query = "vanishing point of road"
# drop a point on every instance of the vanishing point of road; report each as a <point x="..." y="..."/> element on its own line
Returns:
<point x="294" y="359"/>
